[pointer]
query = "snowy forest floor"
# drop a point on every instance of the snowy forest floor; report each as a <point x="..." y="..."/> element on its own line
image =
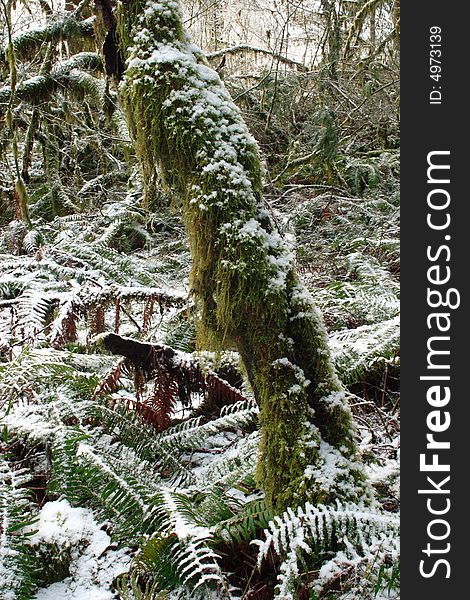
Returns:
<point x="133" y="478"/>
<point x="113" y="441"/>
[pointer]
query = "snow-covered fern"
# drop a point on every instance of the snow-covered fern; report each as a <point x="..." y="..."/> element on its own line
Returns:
<point x="16" y="568"/>
<point x="359" y="351"/>
<point x="307" y="529"/>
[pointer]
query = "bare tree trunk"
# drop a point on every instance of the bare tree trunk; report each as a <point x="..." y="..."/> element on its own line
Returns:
<point x="184" y="122"/>
<point x="373" y="34"/>
<point x="332" y="48"/>
<point x="396" y="24"/>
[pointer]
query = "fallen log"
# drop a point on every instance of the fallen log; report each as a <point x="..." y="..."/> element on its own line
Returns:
<point x="177" y="376"/>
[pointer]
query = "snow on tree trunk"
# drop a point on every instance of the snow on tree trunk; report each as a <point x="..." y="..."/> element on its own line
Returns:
<point x="184" y="123"/>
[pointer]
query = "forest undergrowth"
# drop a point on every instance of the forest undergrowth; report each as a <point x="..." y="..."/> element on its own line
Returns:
<point x="128" y="452"/>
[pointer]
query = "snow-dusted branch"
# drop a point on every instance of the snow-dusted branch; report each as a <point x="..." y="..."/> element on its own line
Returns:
<point x="247" y="48"/>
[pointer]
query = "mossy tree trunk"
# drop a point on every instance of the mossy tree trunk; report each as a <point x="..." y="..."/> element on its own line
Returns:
<point x="184" y="123"/>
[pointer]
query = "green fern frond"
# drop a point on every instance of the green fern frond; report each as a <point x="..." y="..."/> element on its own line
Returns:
<point x="155" y="562"/>
<point x="33" y="240"/>
<point x="33" y="312"/>
<point x="193" y="432"/>
<point x="116" y="495"/>
<point x="310" y="529"/>
<point x="180" y="331"/>
<point x="230" y="469"/>
<point x="195" y="562"/>
<point x="16" y="564"/>
<point x="359" y="351"/>
<point x="65" y="480"/>
<point x="370" y="295"/>
<point x="129" y="587"/>
<point x="246" y="524"/>
<point x="23" y="378"/>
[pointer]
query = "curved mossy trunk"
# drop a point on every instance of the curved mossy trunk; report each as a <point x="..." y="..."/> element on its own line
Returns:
<point x="184" y="122"/>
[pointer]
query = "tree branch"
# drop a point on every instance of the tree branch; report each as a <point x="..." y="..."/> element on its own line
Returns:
<point x="69" y="28"/>
<point x="189" y="375"/>
<point x="248" y="48"/>
<point x="68" y="74"/>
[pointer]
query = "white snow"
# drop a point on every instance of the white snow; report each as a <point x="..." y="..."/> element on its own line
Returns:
<point x="94" y="563"/>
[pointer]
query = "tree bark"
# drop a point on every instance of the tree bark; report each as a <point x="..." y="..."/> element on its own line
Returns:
<point x="184" y="123"/>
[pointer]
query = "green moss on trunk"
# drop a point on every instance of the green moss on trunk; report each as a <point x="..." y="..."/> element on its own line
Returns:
<point x="185" y="124"/>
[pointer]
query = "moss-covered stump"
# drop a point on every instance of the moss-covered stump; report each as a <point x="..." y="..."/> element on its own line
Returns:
<point x="185" y="124"/>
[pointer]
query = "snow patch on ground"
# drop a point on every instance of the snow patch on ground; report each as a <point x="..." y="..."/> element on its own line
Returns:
<point x="94" y="563"/>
